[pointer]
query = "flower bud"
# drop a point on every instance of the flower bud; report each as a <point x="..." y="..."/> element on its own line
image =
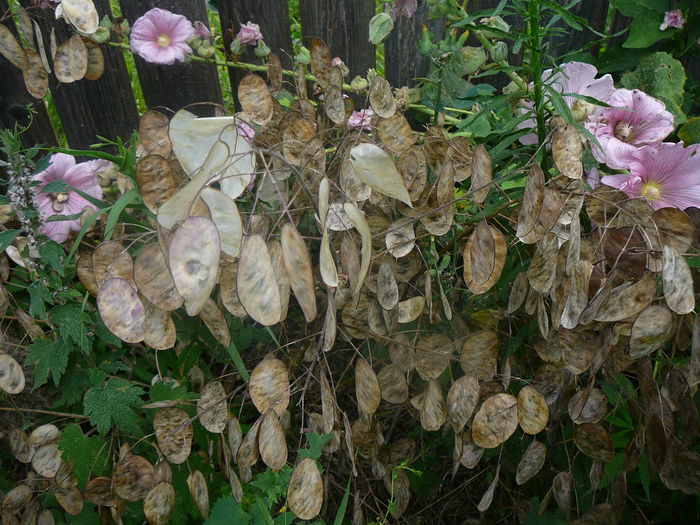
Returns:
<point x="303" y="56"/>
<point x="106" y="22"/>
<point x="425" y="44"/>
<point x="379" y="27"/>
<point x="124" y="27"/>
<point x="237" y="48"/>
<point x="438" y="9"/>
<point x="358" y="83"/>
<point x="499" y="51"/>
<point x="101" y="36"/>
<point x="496" y="22"/>
<point x="262" y="50"/>
<point x="206" y="50"/>
<point x="195" y="42"/>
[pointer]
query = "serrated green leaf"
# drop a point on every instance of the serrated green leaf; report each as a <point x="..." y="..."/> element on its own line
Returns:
<point x="90" y="455"/>
<point x="162" y="391"/>
<point x="54" y="255"/>
<point x="48" y="357"/>
<point x="113" y="403"/>
<point x="316" y="444"/>
<point x="272" y="485"/>
<point x="6" y="238"/>
<point x="70" y="319"/>
<point x="226" y="511"/>
<point x="38" y="296"/>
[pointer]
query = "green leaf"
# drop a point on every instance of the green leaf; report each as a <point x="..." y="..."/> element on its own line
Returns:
<point x="340" y="516"/>
<point x="645" y="30"/>
<point x="162" y="391"/>
<point x="226" y="511"/>
<point x="90" y="455"/>
<point x="57" y="186"/>
<point x="130" y="197"/>
<point x="6" y="238"/>
<point x="271" y="485"/>
<point x="54" y="255"/>
<point x="113" y="403"/>
<point x="48" y="357"/>
<point x="633" y="7"/>
<point x="71" y="320"/>
<point x="260" y="513"/>
<point x="316" y="444"/>
<point x="690" y="131"/>
<point x="38" y="295"/>
<point x="237" y="361"/>
<point x="87" y="224"/>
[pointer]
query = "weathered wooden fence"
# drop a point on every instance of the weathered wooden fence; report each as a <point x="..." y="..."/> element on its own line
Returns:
<point x="107" y="107"/>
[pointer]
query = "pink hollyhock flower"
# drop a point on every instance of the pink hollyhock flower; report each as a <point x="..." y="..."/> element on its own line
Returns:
<point x="575" y="78"/>
<point x="245" y="130"/>
<point x="666" y="175"/>
<point x="161" y="37"/>
<point x="635" y="119"/>
<point x="361" y="119"/>
<point x="405" y="8"/>
<point x="673" y="18"/>
<point x="249" y="34"/>
<point x="201" y="30"/>
<point x="593" y="178"/>
<point x="81" y="176"/>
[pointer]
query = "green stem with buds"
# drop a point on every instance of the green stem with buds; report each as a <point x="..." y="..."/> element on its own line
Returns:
<point x="536" y="64"/>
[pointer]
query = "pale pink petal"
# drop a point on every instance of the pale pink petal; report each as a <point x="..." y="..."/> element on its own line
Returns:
<point x="616" y="181"/>
<point x="57" y="231"/>
<point x="58" y="165"/>
<point x="249" y="34"/>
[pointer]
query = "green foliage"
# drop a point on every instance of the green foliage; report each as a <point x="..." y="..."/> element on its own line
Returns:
<point x="225" y="511"/>
<point x="89" y="455"/>
<point x="690" y="131"/>
<point x="49" y="357"/>
<point x="72" y="321"/>
<point x="114" y="402"/>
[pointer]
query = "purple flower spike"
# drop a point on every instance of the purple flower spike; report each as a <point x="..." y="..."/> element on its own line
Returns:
<point x="161" y="37"/>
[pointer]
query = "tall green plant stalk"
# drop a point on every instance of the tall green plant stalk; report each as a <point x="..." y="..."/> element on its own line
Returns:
<point x="533" y="29"/>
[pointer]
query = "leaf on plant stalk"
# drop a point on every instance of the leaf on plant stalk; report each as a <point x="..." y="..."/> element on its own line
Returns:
<point x="531" y="462"/>
<point x="594" y="441"/>
<point x="367" y="389"/>
<point x="193" y="256"/>
<point x="627" y="300"/>
<point x="269" y="386"/>
<point x="567" y="150"/>
<point x="212" y="408"/>
<point x="271" y="441"/>
<point x="82" y="14"/>
<point x="358" y="220"/>
<point x="174" y="434"/>
<point x="96" y="60"/>
<point x="122" y="311"/>
<point x="199" y="490"/>
<point x="393" y="384"/>
<point x="258" y="289"/>
<point x="652" y="329"/>
<point x="320" y="61"/>
<point x="395" y="133"/>
<point x="298" y="264"/>
<point x="255" y="99"/>
<point x="11" y="375"/>
<point x="12" y="50"/>
<point x="153" y="129"/>
<point x="153" y="278"/>
<point x="160" y="329"/>
<point x="159" y="503"/>
<point x="376" y="168"/>
<point x="678" y="282"/>
<point x="588" y="406"/>
<point x="533" y="411"/>
<point x="71" y="61"/>
<point x="154" y="176"/>
<point x="36" y="78"/>
<point x="495" y="421"/>
<point x="461" y="401"/>
<point x="479" y="354"/>
<point x="381" y="99"/>
<point x="133" y="478"/>
<point x="561" y="487"/>
<point x="433" y="355"/>
<point x="305" y="490"/>
<point x="487" y="498"/>
<point x="484" y="258"/>
<point x="482" y="174"/>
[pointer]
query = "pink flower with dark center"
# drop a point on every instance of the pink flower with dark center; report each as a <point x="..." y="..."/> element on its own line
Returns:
<point x="666" y="175"/>
<point x="249" y="34"/>
<point x="673" y="18"/>
<point x="574" y="78"/>
<point x="361" y="119"/>
<point x="634" y="120"/>
<point x="161" y="37"/>
<point x="82" y="177"/>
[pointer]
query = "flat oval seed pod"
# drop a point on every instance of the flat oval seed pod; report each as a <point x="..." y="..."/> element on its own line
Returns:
<point x="199" y="491"/>
<point x="216" y="322"/>
<point x="82" y="14"/>
<point x="471" y="453"/>
<point x="395" y="133"/>
<point x="652" y="329"/>
<point x="387" y="289"/>
<point x="566" y="151"/>
<point x="305" y="490"/>
<point x="11" y="375"/>
<point x="255" y="99"/>
<point x="678" y="282"/>
<point x="484" y="258"/>
<point x="43" y="435"/>
<point x="154" y="176"/>
<point x="532" y="201"/>
<point x="479" y="354"/>
<point x="495" y="421"/>
<point x="320" y="61"/>
<point x="224" y="214"/>
<point x="432" y="413"/>
<point x="594" y="441"/>
<point x="542" y="270"/>
<point x="367" y="389"/>
<point x="280" y="269"/>
<point x="393" y="384"/>
<point x="153" y="129"/>
<point x="533" y="411"/>
<point x="627" y="300"/>
<point x="12" y="50"/>
<point x="17" y="497"/>
<point x="159" y="503"/>
<point x="235" y="435"/>
<point x="411" y="309"/>
<point x="258" y="289"/>
<point x="153" y="278"/>
<point x="71" y="60"/>
<point x="47" y="460"/>
<point x="70" y="499"/>
<point x="531" y="462"/>
<point x="381" y="99"/>
<point x="376" y="168"/>
<point x="298" y="264"/>
<point x="104" y="257"/>
<point x="561" y="487"/>
<point x="271" y="441"/>
<point x="228" y="288"/>
<point x="100" y="492"/>
<point x="269" y="386"/>
<point x="36" y="78"/>
<point x="550" y="211"/>
<point x="482" y="174"/>
<point x="96" y="60"/>
<point x="249" y="451"/>
<point x="433" y="354"/>
<point x="174" y="434"/>
<point x="487" y="498"/>
<point x="20" y="447"/>
<point x="132" y="478"/>
<point x="461" y="401"/>
<point x="122" y="311"/>
<point x="193" y="256"/>
<point x="358" y="220"/>
<point x="160" y="329"/>
<point x="588" y="406"/>
<point x="211" y="407"/>
<point x="400" y="239"/>
<point x="399" y="485"/>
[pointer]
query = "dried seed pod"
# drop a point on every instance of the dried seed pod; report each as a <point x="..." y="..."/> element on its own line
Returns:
<point x="432" y="413"/>
<point x="269" y="386"/>
<point x="12" y="50"/>
<point x="71" y="60"/>
<point x="271" y="441"/>
<point x="320" y="61"/>
<point x="678" y="282"/>
<point x="159" y="503"/>
<point x="160" y="328"/>
<point x="199" y="491"/>
<point x="174" y="434"/>
<point x="96" y="60"/>
<point x="255" y="99"/>
<point x="36" y="77"/>
<point x="484" y="258"/>
<point x="305" y="490"/>
<point x="298" y="264"/>
<point x="567" y="150"/>
<point x="433" y="355"/>
<point x="588" y="406"/>
<point x="482" y="174"/>
<point x="367" y="388"/>
<point x="479" y="354"/>
<point x="216" y="322"/>
<point x="153" y="129"/>
<point x="257" y="285"/>
<point x="133" y="477"/>
<point x="70" y="499"/>
<point x="11" y="375"/>
<point x="533" y="412"/>
<point x="82" y="14"/>
<point x="393" y="384"/>
<point x="652" y="329"/>
<point x="495" y="421"/>
<point x="594" y="441"/>
<point x="381" y="99"/>
<point x="531" y="462"/>
<point x="395" y="133"/>
<point x="100" y="492"/>
<point x="461" y="401"/>
<point x="211" y="407"/>
<point x="153" y="278"/>
<point x="376" y="168"/>
<point x="122" y="311"/>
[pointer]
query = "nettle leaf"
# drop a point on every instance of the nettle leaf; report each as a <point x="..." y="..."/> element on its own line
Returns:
<point x="162" y="391"/>
<point x="53" y="254"/>
<point x="272" y="485"/>
<point x="38" y="295"/>
<point x="48" y="357"/>
<point x="316" y="444"/>
<point x="89" y="455"/>
<point x="70" y="320"/>
<point x="227" y="510"/>
<point x="7" y="237"/>
<point x="113" y="403"/>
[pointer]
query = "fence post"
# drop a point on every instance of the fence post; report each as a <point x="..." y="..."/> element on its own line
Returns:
<point x="177" y="85"/>
<point x="344" y="26"/>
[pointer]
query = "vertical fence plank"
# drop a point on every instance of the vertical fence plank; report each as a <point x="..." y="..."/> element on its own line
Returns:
<point x="179" y="84"/>
<point x="273" y="18"/>
<point x="14" y="99"/>
<point x="344" y="26"/>
<point x="402" y="63"/>
<point x="88" y="108"/>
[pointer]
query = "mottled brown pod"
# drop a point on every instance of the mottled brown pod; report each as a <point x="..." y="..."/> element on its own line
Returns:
<point x="199" y="491"/>
<point x="212" y="408"/>
<point x="174" y="434"/>
<point x="255" y="99"/>
<point x="495" y="421"/>
<point x="258" y="289"/>
<point x="305" y="491"/>
<point x="133" y="478"/>
<point x="159" y="503"/>
<point x="271" y="441"/>
<point x="269" y="386"/>
<point x="367" y="388"/>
